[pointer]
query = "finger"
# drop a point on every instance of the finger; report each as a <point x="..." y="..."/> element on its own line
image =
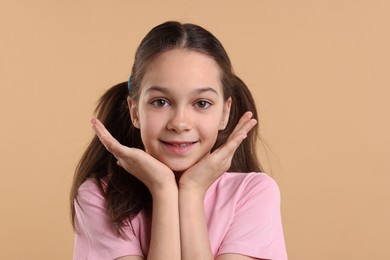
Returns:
<point x="236" y="139"/>
<point x="243" y="128"/>
<point x="247" y="127"/>
<point x="227" y="150"/>
<point x="224" y="154"/>
<point x="111" y="144"/>
<point x="246" y="117"/>
<point x="233" y="143"/>
<point x="100" y="129"/>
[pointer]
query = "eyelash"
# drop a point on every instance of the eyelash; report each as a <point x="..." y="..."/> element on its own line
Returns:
<point x="157" y="100"/>
<point x="208" y="104"/>
<point x="200" y="104"/>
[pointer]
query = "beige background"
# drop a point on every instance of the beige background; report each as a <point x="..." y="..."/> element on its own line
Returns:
<point x="319" y="71"/>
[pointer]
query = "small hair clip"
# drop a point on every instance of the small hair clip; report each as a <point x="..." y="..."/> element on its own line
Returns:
<point x="129" y="83"/>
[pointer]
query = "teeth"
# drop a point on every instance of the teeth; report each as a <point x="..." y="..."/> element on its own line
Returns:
<point x="181" y="145"/>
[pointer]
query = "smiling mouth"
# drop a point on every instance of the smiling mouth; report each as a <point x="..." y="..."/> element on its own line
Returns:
<point x="179" y="147"/>
<point x="179" y="144"/>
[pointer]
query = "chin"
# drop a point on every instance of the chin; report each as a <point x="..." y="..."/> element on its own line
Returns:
<point x="178" y="168"/>
<point x="179" y="165"/>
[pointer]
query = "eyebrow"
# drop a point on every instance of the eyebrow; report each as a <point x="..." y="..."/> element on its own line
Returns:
<point x="196" y="91"/>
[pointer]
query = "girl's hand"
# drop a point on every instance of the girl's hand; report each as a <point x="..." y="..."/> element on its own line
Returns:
<point x="154" y="174"/>
<point x="201" y="175"/>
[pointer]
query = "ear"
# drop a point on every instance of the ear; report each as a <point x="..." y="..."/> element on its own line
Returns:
<point x="133" y="110"/>
<point x="226" y="114"/>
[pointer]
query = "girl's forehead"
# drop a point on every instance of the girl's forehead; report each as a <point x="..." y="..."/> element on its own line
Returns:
<point x="184" y="69"/>
<point x="178" y="57"/>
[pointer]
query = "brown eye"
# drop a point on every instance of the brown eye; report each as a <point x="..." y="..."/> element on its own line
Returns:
<point x="160" y="102"/>
<point x="203" y="104"/>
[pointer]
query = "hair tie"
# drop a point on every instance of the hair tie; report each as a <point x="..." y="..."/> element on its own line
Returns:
<point x="129" y="83"/>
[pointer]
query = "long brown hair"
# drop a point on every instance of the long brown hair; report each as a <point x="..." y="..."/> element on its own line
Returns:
<point x="125" y="195"/>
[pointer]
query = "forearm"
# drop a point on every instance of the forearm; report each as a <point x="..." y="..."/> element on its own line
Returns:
<point x="165" y="232"/>
<point x="193" y="227"/>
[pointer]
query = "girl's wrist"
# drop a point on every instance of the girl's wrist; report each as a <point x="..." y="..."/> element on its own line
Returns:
<point x="163" y="189"/>
<point x="192" y="192"/>
<point x="189" y="185"/>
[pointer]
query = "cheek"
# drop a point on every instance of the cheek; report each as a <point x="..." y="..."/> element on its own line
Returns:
<point x="150" y="127"/>
<point x="148" y="119"/>
<point x="209" y="131"/>
<point x="147" y="134"/>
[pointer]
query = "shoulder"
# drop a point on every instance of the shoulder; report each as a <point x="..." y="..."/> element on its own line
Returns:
<point x="255" y="189"/>
<point x="90" y="192"/>
<point x="255" y="229"/>
<point x="95" y="236"/>
<point x="243" y="188"/>
<point x="249" y="181"/>
<point x="91" y="185"/>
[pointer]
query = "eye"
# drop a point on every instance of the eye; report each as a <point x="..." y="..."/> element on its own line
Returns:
<point x="160" y="102"/>
<point x="202" y="104"/>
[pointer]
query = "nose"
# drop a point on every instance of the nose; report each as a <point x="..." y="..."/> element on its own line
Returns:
<point x="180" y="120"/>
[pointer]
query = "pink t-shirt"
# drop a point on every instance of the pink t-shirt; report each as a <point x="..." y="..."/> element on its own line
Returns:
<point x="242" y="212"/>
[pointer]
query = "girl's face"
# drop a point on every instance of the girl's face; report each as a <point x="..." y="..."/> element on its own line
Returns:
<point x="180" y="108"/>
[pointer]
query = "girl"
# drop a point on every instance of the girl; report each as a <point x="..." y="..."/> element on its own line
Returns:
<point x="173" y="173"/>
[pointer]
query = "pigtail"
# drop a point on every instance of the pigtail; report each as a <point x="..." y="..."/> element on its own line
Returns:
<point x="126" y="196"/>
<point x="245" y="158"/>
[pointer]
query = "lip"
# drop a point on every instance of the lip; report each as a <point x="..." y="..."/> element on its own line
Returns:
<point x="178" y="147"/>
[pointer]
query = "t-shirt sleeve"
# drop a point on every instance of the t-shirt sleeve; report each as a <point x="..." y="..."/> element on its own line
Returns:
<point x="256" y="229"/>
<point x="95" y="239"/>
